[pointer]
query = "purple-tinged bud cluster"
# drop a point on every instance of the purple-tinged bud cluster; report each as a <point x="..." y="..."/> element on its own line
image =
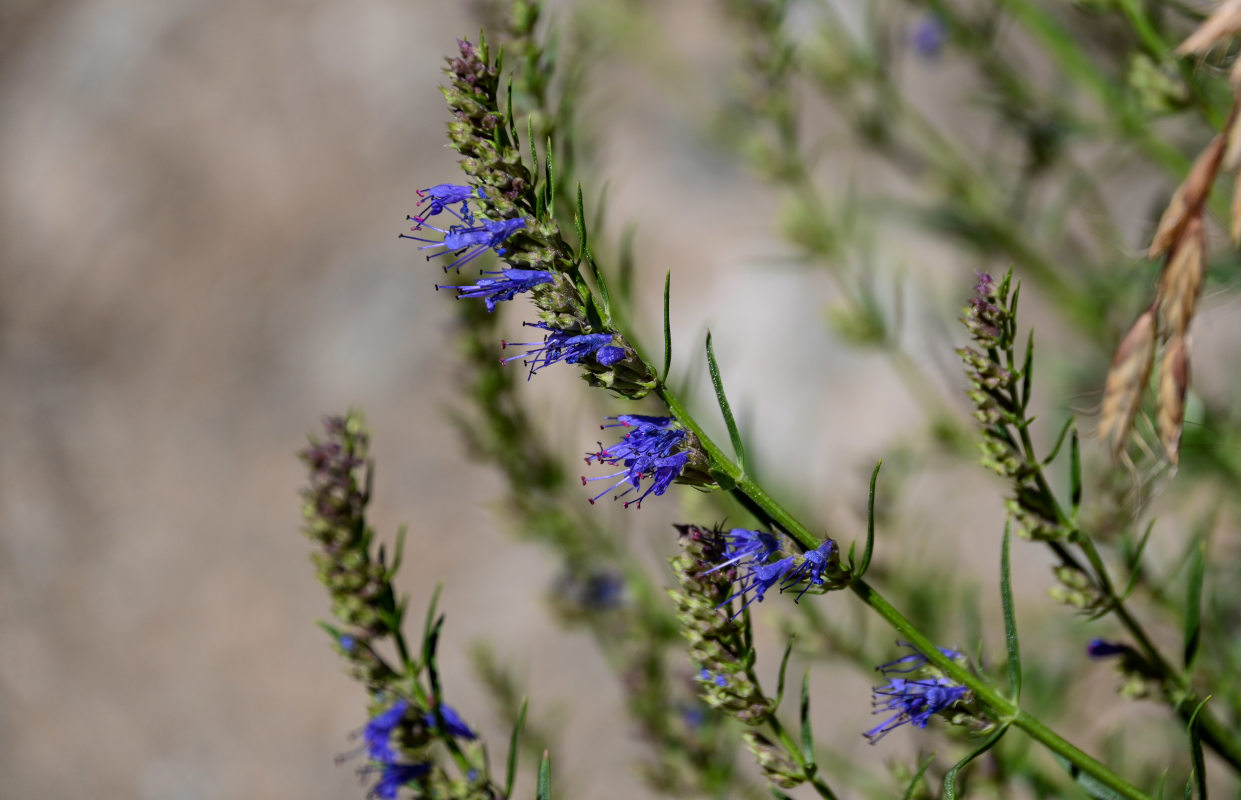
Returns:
<point x="571" y="348"/>
<point x="717" y="642"/>
<point x="914" y="700"/>
<point x="649" y="450"/>
<point x="495" y="290"/>
<point x="466" y="243"/>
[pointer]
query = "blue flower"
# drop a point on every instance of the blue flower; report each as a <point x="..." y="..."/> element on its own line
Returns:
<point x="707" y="676"/>
<point x="647" y="452"/>
<point x="759" y="579"/>
<point x="453" y="724"/>
<point x="378" y="732"/>
<point x="570" y="348"/>
<point x="742" y="545"/>
<point x="1101" y="648"/>
<point x="909" y="700"/>
<point x="810" y="569"/>
<point x="927" y="36"/>
<point x="468" y="243"/>
<point x="441" y="196"/>
<point x="495" y="290"/>
<point x="913" y="701"/>
<point x="915" y="660"/>
<point x="393" y="776"/>
<point x="346" y="642"/>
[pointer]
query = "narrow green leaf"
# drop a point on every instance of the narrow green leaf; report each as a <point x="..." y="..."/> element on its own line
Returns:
<point x="1010" y="618"/>
<point x="1027" y="369"/>
<point x="727" y="411"/>
<point x="950" y="779"/>
<point x="861" y="568"/>
<point x="545" y="778"/>
<point x="430" y="618"/>
<point x="1135" y="562"/>
<point x="579" y="221"/>
<point x="429" y="663"/>
<point x="917" y="778"/>
<point x="550" y="187"/>
<point x="540" y="209"/>
<point x="1055" y="451"/>
<point x="1075" y="474"/>
<point x="1090" y="784"/>
<point x="510" y="772"/>
<point x="399" y="551"/>
<point x="512" y="121"/>
<point x="335" y="633"/>
<point x="605" y="296"/>
<point x="1195" y="751"/>
<point x="807" y="735"/>
<point x="667" y="324"/>
<point x="1193" y="603"/>
<point x="784" y="664"/>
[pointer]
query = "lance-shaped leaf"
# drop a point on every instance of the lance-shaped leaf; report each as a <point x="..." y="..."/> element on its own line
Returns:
<point x="1090" y="784"/>
<point x="784" y="664"/>
<point x="1055" y="451"/>
<point x="667" y="325"/>
<point x="807" y="735"/>
<point x="1010" y="618"/>
<point x="950" y="779"/>
<point x="911" y="790"/>
<point x="725" y="409"/>
<point x="1075" y="474"/>
<point x="858" y="571"/>
<point x="1199" y="776"/>
<point x="510" y="771"/>
<point x="1193" y="602"/>
<point x="545" y="778"/>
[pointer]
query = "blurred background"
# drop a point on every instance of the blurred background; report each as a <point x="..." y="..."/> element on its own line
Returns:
<point x="199" y="208"/>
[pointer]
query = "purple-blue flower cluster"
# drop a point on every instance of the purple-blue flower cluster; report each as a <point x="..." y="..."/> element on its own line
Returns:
<point x="750" y="553"/>
<point x="442" y="196"/>
<point x="913" y="700"/>
<point x="495" y="290"/>
<point x="649" y="450"/>
<point x="383" y="757"/>
<point x="571" y="348"/>
<point x="466" y="242"/>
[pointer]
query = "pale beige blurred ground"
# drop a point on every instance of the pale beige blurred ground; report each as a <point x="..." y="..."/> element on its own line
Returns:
<point x="199" y="204"/>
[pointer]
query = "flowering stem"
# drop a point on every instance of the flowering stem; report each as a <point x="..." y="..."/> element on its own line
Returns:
<point x="1004" y="709"/>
